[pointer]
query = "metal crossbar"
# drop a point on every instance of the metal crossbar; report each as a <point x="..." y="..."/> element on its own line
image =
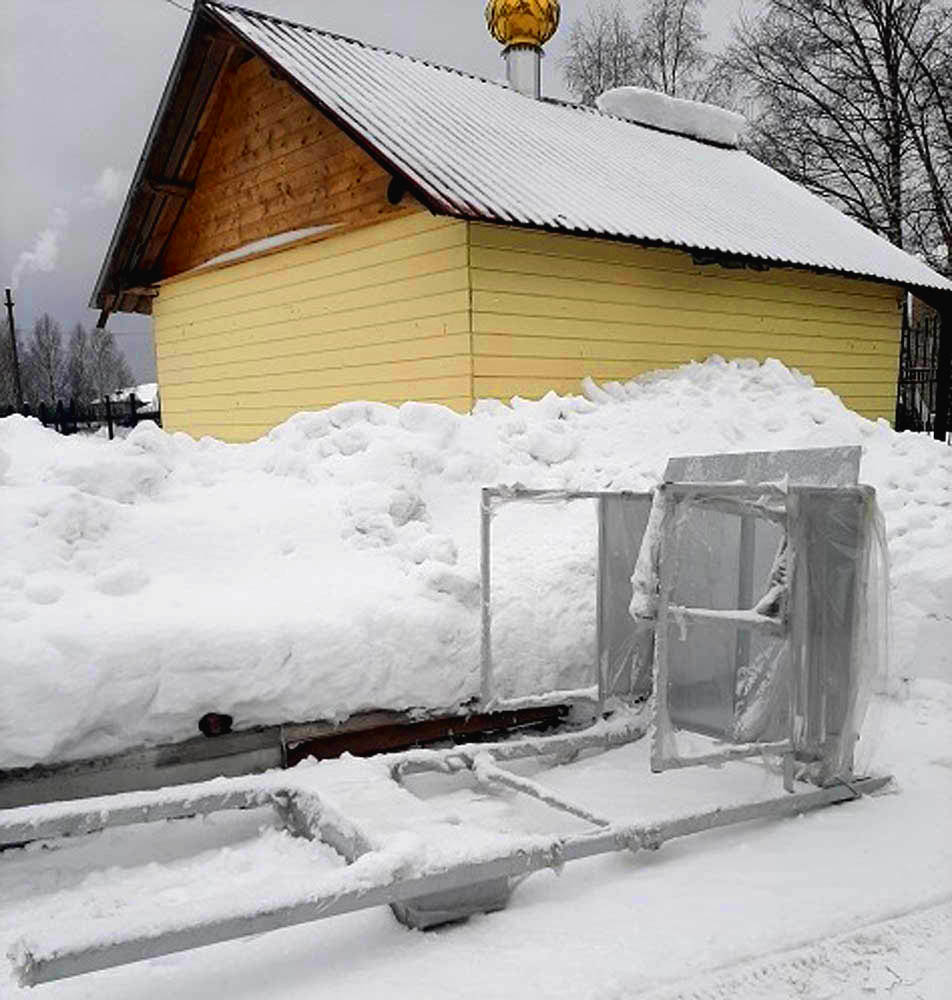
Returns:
<point x="372" y="878"/>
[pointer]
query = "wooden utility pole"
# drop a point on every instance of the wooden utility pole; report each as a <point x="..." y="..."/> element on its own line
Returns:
<point x="17" y="387"/>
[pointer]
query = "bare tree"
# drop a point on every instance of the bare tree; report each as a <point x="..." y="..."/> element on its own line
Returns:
<point x="602" y="52"/>
<point x="108" y="369"/>
<point x="661" y="48"/>
<point x="927" y="107"/>
<point x="846" y="97"/>
<point x="7" y="382"/>
<point x="45" y="362"/>
<point x="671" y="53"/>
<point x="78" y="365"/>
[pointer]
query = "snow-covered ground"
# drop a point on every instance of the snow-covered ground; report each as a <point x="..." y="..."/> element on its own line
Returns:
<point x="848" y="902"/>
<point x="332" y="566"/>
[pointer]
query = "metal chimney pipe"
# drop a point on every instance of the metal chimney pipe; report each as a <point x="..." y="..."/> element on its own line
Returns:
<point x="522" y="27"/>
<point x="524" y="69"/>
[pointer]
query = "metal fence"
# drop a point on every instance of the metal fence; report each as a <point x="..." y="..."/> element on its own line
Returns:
<point x="924" y="399"/>
<point x="73" y="417"/>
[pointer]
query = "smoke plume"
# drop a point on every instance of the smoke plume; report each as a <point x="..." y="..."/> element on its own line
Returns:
<point x="45" y="250"/>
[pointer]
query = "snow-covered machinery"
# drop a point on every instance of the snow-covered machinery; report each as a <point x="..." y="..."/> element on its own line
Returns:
<point x="740" y="614"/>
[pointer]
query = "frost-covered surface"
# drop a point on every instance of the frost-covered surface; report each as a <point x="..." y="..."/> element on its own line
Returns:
<point x="609" y="927"/>
<point x="332" y="566"/>
<point x="692" y="118"/>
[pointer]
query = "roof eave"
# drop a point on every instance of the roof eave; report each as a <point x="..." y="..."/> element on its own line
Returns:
<point x="97" y="301"/>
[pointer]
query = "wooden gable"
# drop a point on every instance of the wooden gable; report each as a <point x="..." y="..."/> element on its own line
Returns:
<point x="275" y="164"/>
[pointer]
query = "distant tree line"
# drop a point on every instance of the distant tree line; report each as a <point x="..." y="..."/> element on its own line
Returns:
<point x="850" y="98"/>
<point x="86" y="366"/>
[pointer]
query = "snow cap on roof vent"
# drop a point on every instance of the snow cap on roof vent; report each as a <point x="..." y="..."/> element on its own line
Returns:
<point x="691" y="118"/>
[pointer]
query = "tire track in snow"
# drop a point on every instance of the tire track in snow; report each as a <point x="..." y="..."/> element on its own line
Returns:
<point x="905" y="958"/>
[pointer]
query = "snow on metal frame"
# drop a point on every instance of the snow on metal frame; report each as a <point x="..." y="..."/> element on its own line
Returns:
<point x="373" y="876"/>
<point x="476" y="149"/>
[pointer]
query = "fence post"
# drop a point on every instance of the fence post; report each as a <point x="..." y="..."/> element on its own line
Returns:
<point x="133" y="410"/>
<point x="943" y="387"/>
<point x="112" y="433"/>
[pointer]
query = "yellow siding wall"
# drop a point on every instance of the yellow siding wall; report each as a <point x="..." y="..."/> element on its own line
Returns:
<point x="549" y="309"/>
<point x="435" y="309"/>
<point x="379" y="313"/>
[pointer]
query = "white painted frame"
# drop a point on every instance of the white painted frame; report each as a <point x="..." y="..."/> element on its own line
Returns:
<point x="596" y="694"/>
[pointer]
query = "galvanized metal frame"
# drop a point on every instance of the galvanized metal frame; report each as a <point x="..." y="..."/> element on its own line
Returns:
<point x="781" y="504"/>
<point x="746" y="502"/>
<point x="596" y="694"/>
<point x="305" y="814"/>
<point x="467" y="886"/>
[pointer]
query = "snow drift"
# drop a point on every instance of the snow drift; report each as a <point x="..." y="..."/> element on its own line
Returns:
<point x="695" y="119"/>
<point x="332" y="566"/>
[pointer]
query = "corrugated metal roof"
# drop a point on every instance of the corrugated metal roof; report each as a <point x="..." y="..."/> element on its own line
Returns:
<point x="477" y="149"/>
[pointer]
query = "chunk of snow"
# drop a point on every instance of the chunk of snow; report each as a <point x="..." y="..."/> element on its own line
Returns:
<point x="674" y="114"/>
<point x="121" y="580"/>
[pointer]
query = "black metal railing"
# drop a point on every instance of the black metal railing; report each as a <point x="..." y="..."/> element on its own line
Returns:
<point x="923" y="399"/>
<point x="72" y="417"/>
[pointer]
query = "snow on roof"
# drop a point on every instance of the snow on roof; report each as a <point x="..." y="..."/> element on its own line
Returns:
<point x="673" y="114"/>
<point x="476" y="149"/>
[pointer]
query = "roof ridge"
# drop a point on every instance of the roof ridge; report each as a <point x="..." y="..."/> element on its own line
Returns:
<point x="360" y="43"/>
<point x="338" y="36"/>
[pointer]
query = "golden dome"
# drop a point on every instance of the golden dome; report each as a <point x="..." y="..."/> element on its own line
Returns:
<point x="522" y="22"/>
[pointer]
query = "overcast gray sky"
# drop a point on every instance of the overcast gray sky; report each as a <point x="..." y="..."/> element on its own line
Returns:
<point x="80" y="81"/>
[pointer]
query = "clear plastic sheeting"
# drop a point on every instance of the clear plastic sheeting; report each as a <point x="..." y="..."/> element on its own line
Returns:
<point x="623" y="647"/>
<point x="840" y="623"/>
<point x="770" y="626"/>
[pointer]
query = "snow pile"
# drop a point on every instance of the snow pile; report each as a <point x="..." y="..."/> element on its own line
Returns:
<point x="332" y="566"/>
<point x="674" y="114"/>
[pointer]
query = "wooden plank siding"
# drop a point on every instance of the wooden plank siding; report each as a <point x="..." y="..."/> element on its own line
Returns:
<point x="395" y="304"/>
<point x="379" y="313"/>
<point x="274" y="164"/>
<point x="549" y="309"/>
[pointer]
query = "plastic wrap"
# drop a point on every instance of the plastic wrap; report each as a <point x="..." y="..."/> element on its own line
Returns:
<point x="771" y="603"/>
<point x="624" y="648"/>
<point x="840" y="628"/>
